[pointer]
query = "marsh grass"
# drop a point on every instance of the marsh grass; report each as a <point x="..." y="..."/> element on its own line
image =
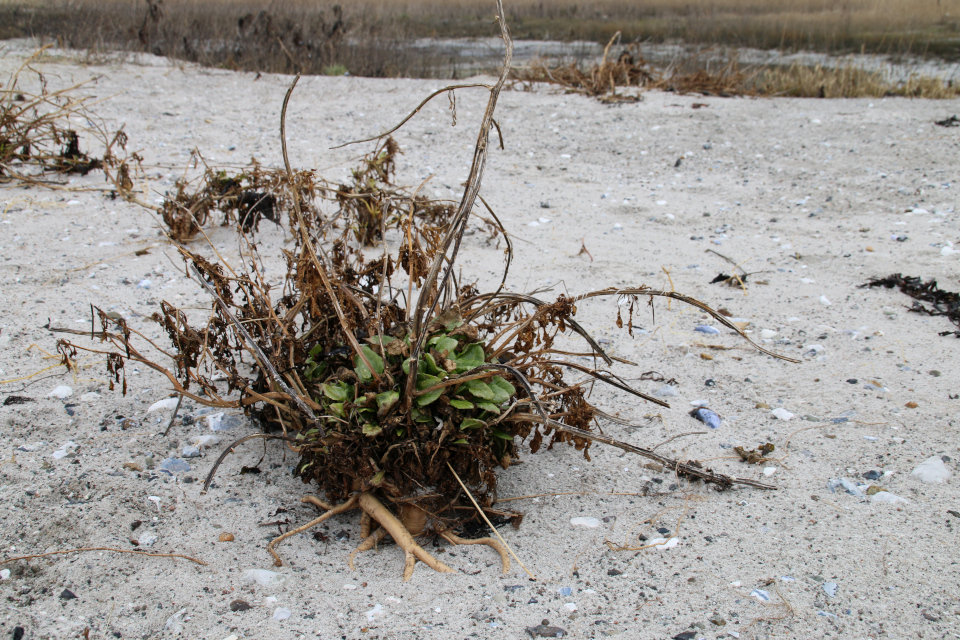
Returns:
<point x="370" y="37"/>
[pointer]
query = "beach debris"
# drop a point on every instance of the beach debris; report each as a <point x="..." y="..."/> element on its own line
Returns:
<point x="848" y="485"/>
<point x="667" y="391"/>
<point x="952" y="121"/>
<point x="932" y="470"/>
<point x="190" y="452"/>
<point x="705" y="328"/>
<point x="830" y="588"/>
<point x="62" y="391"/>
<point x="282" y="613"/>
<point x="147" y="539"/>
<point x="873" y="474"/>
<point x="757" y="455"/>
<point x="9" y="400"/>
<point x="825" y="301"/>
<point x="66" y="594"/>
<point x="67" y="449"/>
<point x="760" y="595"/>
<point x="781" y="414"/>
<point x="707" y="417"/>
<point x="929" y="298"/>
<point x="544" y="630"/>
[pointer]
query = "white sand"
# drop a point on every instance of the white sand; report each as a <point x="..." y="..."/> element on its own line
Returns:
<point x="796" y="190"/>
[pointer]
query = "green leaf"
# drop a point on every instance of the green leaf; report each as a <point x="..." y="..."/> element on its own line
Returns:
<point x="504" y="386"/>
<point x="400" y="432"/>
<point x="386" y="399"/>
<point x="471" y="423"/>
<point x="501" y="434"/>
<point x="336" y="392"/>
<point x="436" y="337"/>
<point x="429" y="365"/>
<point x="377" y="480"/>
<point x="406" y="366"/>
<point x="336" y="408"/>
<point x="316" y="351"/>
<point x="381" y="340"/>
<point x="488" y="406"/>
<point x="445" y="344"/>
<point x="461" y="404"/>
<point x="479" y="389"/>
<point x="425" y="381"/>
<point x="371" y="429"/>
<point x="469" y="358"/>
<point x="460" y="441"/>
<point x="361" y="369"/>
<point x="419" y="416"/>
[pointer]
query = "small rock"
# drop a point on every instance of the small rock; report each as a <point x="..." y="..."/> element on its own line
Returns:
<point x="768" y="334"/>
<point x="686" y="635"/>
<point x="565" y="591"/>
<point x="239" y="605"/>
<point x="190" y="452"/>
<point x="934" y="373"/>
<point x="66" y="594"/>
<point x="201" y="442"/>
<point x="4" y="574"/>
<point x="569" y="606"/>
<point x="932" y="470"/>
<point x="147" y="540"/>
<point x="825" y="301"/>
<point x="167" y="403"/>
<point x="92" y="396"/>
<point x="590" y="523"/>
<point x="174" y="466"/>
<point x="718" y="621"/>
<point x="705" y="328"/>
<point x="873" y="474"/>
<point x="544" y="630"/>
<point x="132" y="466"/>
<point x="761" y="405"/>
<point x="666" y="391"/>
<point x="885" y="497"/>
<point x="263" y="577"/>
<point x="225" y="537"/>
<point x="144" y="284"/>
<point x="63" y="391"/>
<point x="281" y="613"/>
<point x="931" y="617"/>
<point x="781" y="414"/>
<point x="830" y="588"/>
<point x="614" y="572"/>
<point x="911" y="405"/>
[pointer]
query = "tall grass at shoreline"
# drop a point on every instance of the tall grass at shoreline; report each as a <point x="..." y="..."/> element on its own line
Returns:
<point x="373" y="37"/>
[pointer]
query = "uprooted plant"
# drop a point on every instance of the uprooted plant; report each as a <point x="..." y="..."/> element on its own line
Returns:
<point x="402" y="388"/>
<point x="37" y="135"/>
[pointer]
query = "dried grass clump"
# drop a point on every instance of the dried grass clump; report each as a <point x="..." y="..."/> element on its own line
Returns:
<point x="847" y="81"/>
<point x="401" y="388"/>
<point x="600" y="80"/>
<point x="37" y="136"/>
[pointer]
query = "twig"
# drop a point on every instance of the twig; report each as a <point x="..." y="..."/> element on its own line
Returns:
<point x="679" y="435"/>
<point x="489" y="524"/>
<point x="174" y="416"/>
<point x="141" y="553"/>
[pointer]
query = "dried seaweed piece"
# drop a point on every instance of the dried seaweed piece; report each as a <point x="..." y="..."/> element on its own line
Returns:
<point x="757" y="455"/>
<point x="942" y="303"/>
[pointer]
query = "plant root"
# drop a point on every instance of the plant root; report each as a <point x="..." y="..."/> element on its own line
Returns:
<point x="346" y="506"/>
<point x="412" y="551"/>
<point x="452" y="538"/>
<point x="369" y="542"/>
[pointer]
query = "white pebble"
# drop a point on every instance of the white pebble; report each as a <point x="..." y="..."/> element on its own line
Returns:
<point x="63" y="391"/>
<point x="664" y="543"/>
<point x="90" y="397"/>
<point x="781" y="414"/>
<point x="263" y="577"/>
<point x="824" y="301"/>
<point x="769" y="471"/>
<point x="768" y="334"/>
<point x="281" y="613"/>
<point x="570" y="607"/>
<point x="590" y="523"/>
<point x="166" y="403"/>
<point x="931" y="470"/>
<point x="886" y="497"/>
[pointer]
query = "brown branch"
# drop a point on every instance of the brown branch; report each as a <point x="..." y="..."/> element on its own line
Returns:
<point x="141" y="553"/>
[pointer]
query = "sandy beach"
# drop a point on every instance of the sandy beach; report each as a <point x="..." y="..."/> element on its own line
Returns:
<point x="810" y="197"/>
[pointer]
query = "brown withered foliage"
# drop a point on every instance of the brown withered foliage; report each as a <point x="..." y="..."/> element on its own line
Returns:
<point x="393" y="380"/>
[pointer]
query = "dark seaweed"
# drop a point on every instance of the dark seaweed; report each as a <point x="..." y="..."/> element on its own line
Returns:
<point x="939" y="302"/>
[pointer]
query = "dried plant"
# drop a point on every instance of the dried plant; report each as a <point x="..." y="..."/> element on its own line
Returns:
<point x="402" y="389"/>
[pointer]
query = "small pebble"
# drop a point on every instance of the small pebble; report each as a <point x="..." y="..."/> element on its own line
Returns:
<point x="226" y="537"/>
<point x="281" y="613"/>
<point x="66" y="594"/>
<point x="62" y="391"/>
<point x="666" y="391"/>
<point x="174" y="466"/>
<point x="830" y="588"/>
<point x="239" y="605"/>
<point x="705" y="328"/>
<point x="190" y="452"/>
<point x="147" y="539"/>
<point x="263" y="577"/>
<point x="781" y="414"/>
<point x="932" y="470"/>
<point x="590" y="523"/>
